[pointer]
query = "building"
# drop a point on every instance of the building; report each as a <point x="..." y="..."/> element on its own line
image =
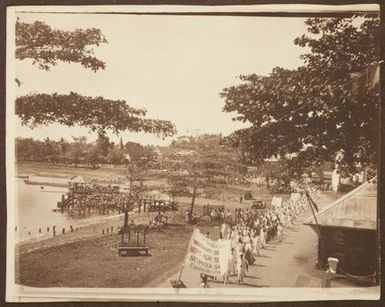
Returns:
<point x="347" y="230"/>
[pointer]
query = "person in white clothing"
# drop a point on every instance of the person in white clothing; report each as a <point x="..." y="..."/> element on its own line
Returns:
<point x="262" y="237"/>
<point x="279" y="232"/>
<point x="242" y="268"/>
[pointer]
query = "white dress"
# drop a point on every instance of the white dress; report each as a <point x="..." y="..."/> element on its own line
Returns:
<point x="262" y="238"/>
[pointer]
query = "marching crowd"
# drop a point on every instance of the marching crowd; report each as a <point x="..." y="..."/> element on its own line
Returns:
<point x="250" y="231"/>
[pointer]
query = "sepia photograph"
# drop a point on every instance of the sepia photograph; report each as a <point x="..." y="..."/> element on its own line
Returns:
<point x="190" y="153"/>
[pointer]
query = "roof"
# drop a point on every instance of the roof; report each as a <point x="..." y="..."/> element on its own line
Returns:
<point x="356" y="209"/>
<point x="78" y="179"/>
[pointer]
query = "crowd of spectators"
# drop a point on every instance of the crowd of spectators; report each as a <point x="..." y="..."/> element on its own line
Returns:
<point x="105" y="199"/>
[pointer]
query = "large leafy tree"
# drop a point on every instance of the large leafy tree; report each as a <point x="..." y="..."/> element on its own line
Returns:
<point x="46" y="47"/>
<point x="325" y="105"/>
<point x="205" y="157"/>
<point x="96" y="113"/>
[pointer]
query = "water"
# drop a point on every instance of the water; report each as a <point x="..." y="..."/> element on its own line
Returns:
<point x="34" y="211"/>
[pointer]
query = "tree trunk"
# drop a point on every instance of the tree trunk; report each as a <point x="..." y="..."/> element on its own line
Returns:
<point x="192" y="203"/>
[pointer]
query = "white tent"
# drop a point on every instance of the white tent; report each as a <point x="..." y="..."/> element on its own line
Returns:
<point x="79" y="179"/>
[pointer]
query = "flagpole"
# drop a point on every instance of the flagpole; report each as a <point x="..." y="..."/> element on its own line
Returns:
<point x="315" y="218"/>
<point x="185" y="258"/>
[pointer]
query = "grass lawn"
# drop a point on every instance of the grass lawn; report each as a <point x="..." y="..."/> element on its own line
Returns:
<point x="94" y="262"/>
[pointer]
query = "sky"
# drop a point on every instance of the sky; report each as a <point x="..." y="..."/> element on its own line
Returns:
<point x="173" y="66"/>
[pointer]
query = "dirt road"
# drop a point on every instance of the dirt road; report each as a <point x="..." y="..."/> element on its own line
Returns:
<point x="289" y="263"/>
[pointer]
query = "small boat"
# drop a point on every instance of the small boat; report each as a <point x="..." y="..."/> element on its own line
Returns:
<point x="22" y="176"/>
<point x="50" y="184"/>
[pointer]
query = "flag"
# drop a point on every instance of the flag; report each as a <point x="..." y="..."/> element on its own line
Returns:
<point x="369" y="77"/>
<point x="375" y="78"/>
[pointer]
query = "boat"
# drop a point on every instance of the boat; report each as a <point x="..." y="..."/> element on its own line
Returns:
<point x="21" y="176"/>
<point x="50" y="184"/>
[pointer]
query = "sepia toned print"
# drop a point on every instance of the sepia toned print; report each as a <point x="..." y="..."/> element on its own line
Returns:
<point x="208" y="157"/>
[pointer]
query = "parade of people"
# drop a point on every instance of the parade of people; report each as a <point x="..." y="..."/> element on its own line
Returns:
<point x="251" y="230"/>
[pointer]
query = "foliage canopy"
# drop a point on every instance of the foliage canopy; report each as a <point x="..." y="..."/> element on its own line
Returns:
<point x="46" y="46"/>
<point x="326" y="105"/>
<point x="96" y="113"/>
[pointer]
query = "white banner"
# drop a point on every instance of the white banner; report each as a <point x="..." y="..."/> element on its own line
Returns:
<point x="209" y="256"/>
<point x="276" y="202"/>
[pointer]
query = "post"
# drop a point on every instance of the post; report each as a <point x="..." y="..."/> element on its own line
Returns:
<point x="137" y="238"/>
<point x="144" y="236"/>
<point x="310" y="200"/>
<point x="192" y="203"/>
<point x="364" y="174"/>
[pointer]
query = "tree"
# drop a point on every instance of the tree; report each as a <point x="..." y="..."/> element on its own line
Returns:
<point x="102" y="147"/>
<point x="116" y="156"/>
<point x="192" y="180"/>
<point x="78" y="149"/>
<point x="311" y="112"/>
<point x="139" y="153"/>
<point x="29" y="150"/>
<point x="63" y="146"/>
<point x="50" y="151"/>
<point x="177" y="187"/>
<point x="97" y="113"/>
<point x="201" y="159"/>
<point x="216" y="158"/>
<point x="46" y="47"/>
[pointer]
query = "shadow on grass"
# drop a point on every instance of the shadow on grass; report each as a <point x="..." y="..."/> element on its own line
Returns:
<point x="286" y="242"/>
<point x="252" y="277"/>
<point x="270" y="247"/>
<point x="258" y="265"/>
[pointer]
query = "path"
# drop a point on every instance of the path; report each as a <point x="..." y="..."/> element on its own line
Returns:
<point x="289" y="263"/>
